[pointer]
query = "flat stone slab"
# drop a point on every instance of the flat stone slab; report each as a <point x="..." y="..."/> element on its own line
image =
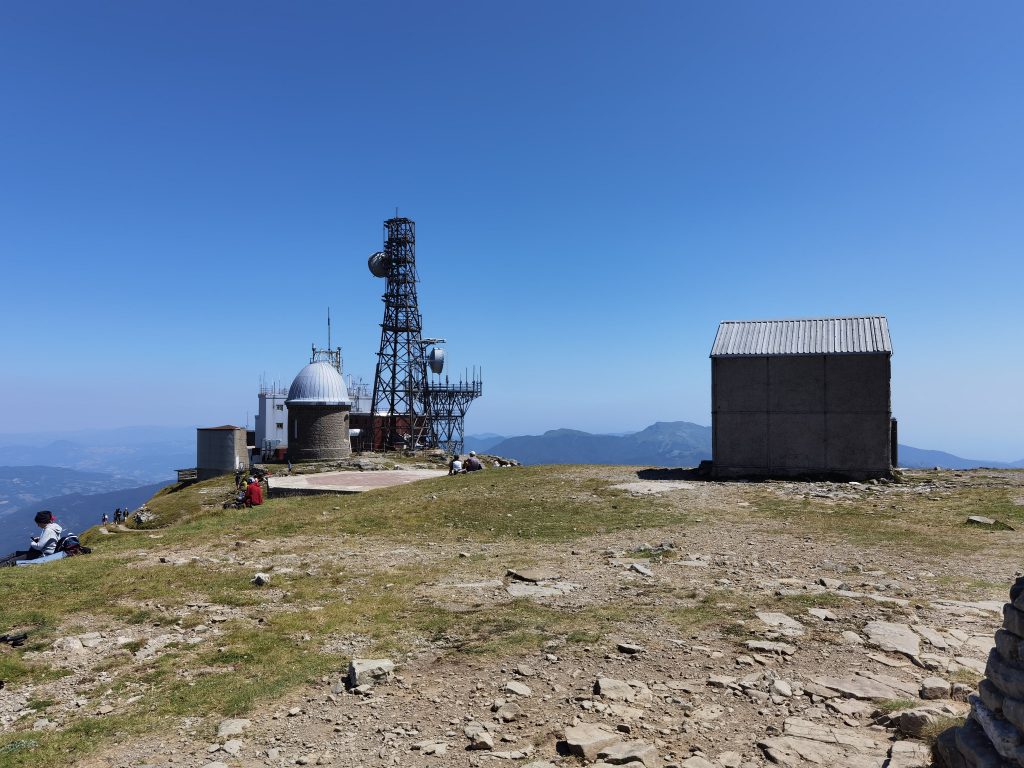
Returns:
<point x="908" y="689"/>
<point x="789" y="626"/>
<point x="932" y="637"/>
<point x="532" y="574"/>
<point x="634" y="753"/>
<point x="348" y="481"/>
<point x="369" y="671"/>
<point x="228" y="728"/>
<point x="765" y="646"/>
<point x="981" y="606"/>
<point x="653" y="487"/>
<point x="898" y="638"/>
<point x="871" y="596"/>
<point x="587" y="740"/>
<point x="806" y="742"/>
<point x="823" y="614"/>
<point x="858" y="687"/>
<point x="827" y="734"/>
<point x="910" y="754"/>
<point x="527" y="589"/>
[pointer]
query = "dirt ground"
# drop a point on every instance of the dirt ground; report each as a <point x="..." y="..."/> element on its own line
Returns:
<point x="736" y="642"/>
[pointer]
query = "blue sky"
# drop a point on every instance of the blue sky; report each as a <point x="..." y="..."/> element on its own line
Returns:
<point x="186" y="187"/>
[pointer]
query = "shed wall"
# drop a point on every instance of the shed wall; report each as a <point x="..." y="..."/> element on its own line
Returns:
<point x="791" y="415"/>
<point x="220" y="452"/>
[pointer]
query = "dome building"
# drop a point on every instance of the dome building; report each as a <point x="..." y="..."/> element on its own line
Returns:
<point x="318" y="414"/>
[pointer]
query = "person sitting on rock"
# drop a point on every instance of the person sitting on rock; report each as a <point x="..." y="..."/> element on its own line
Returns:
<point x="42" y="545"/>
<point x="473" y="463"/>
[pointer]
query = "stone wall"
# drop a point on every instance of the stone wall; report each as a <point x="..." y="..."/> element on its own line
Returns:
<point x="993" y="735"/>
<point x="318" y="432"/>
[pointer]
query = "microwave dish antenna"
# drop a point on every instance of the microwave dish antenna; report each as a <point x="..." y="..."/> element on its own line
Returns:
<point x="379" y="263"/>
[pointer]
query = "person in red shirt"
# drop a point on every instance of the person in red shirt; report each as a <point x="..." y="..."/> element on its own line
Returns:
<point x="253" y="493"/>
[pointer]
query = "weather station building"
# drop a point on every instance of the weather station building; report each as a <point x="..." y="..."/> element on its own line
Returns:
<point x="271" y="421"/>
<point x="794" y="398"/>
<point x="318" y="414"/>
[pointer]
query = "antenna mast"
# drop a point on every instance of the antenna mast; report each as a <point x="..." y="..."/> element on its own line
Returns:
<point x="407" y="410"/>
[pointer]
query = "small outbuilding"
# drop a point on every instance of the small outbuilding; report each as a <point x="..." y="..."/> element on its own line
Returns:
<point x="220" y="451"/>
<point x="794" y="398"/>
<point x="318" y="414"/>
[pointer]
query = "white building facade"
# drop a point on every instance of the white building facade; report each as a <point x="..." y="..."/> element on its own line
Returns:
<point x="272" y="420"/>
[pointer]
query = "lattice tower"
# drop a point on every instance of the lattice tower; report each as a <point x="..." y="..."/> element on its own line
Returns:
<point x="401" y="412"/>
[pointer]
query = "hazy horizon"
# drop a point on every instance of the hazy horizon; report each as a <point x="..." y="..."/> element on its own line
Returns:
<point x="43" y="438"/>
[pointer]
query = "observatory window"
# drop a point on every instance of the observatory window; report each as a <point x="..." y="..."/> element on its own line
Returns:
<point x="279" y="407"/>
<point x="280" y="425"/>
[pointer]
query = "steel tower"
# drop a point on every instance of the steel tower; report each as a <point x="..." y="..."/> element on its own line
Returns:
<point x="399" y="411"/>
<point x="407" y="410"/>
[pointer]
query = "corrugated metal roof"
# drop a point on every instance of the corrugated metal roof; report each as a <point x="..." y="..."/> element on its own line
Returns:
<point x="815" y="336"/>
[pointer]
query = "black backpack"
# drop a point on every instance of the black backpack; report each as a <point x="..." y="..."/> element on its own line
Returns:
<point x="71" y="546"/>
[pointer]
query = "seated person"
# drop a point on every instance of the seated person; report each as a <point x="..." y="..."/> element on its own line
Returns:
<point x="253" y="493"/>
<point x="473" y="463"/>
<point x="455" y="466"/>
<point x="43" y="544"/>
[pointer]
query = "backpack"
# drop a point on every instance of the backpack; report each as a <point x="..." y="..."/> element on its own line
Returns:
<point x="71" y="546"/>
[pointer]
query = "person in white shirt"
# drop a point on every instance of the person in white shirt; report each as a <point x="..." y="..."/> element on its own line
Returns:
<point x="46" y="542"/>
<point x="42" y="545"/>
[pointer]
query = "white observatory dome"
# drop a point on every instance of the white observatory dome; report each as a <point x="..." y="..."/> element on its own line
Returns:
<point x="318" y="384"/>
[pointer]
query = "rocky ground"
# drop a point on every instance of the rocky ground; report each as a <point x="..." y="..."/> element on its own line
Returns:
<point x="735" y="644"/>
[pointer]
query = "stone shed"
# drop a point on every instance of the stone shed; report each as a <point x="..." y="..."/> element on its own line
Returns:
<point x="318" y="414"/>
<point x="794" y="398"/>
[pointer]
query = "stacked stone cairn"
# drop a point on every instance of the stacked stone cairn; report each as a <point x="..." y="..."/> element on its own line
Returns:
<point x="993" y="736"/>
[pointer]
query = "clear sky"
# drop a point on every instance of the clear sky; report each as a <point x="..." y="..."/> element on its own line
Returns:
<point x="185" y="187"/>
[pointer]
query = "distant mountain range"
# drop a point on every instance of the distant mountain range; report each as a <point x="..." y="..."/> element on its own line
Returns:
<point x="671" y="444"/>
<point x="136" y="455"/>
<point x="81" y="474"/>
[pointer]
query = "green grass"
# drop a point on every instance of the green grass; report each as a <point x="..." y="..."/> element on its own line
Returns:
<point x="808" y="600"/>
<point x="715" y="609"/>
<point x="888" y="706"/>
<point x="900" y="521"/>
<point x="257" y="661"/>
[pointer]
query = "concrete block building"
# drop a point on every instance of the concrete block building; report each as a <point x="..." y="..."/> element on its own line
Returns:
<point x="794" y="398"/>
<point x="220" y="451"/>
